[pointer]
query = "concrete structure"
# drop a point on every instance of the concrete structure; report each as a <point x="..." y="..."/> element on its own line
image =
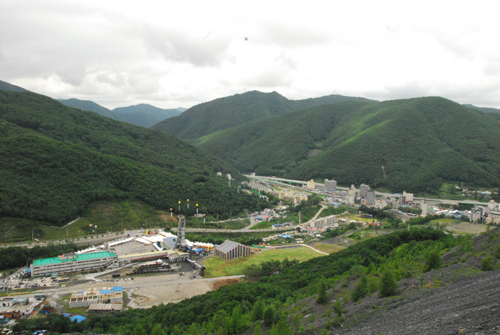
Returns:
<point x="363" y="189"/>
<point x="231" y="250"/>
<point x="105" y="296"/>
<point x="106" y="308"/>
<point x="330" y="186"/>
<point x="72" y="262"/>
<point x="423" y="207"/>
<point x="22" y="306"/>
<point x="181" y="244"/>
<point x="408" y="196"/>
<point x="370" y="197"/>
<point x="476" y="214"/>
<point x="310" y="184"/>
<point x="325" y="222"/>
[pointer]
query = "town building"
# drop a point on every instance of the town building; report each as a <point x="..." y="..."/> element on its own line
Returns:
<point x="105" y="296"/>
<point x="363" y="189"/>
<point x="72" y="262"/>
<point x="310" y="184"/>
<point x="231" y="250"/>
<point x="330" y="186"/>
<point x="370" y="197"/>
<point x="408" y="196"/>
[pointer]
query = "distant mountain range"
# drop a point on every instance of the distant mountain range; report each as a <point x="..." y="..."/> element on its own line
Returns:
<point x="143" y="115"/>
<point x="412" y="144"/>
<point x="227" y="112"/>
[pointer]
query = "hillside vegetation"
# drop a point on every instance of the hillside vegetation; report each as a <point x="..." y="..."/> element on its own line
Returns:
<point x="418" y="144"/>
<point x="9" y="87"/>
<point x="227" y="112"/>
<point x="55" y="161"/>
<point x="309" y="296"/>
<point x="143" y="115"/>
<point x="87" y="105"/>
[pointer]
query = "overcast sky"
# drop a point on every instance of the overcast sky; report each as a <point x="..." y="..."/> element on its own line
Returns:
<point x="181" y="53"/>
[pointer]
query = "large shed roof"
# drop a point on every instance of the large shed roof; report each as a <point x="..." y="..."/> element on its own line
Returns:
<point x="228" y="246"/>
<point x="82" y="257"/>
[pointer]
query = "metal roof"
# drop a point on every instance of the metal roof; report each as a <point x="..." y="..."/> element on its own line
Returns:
<point x="228" y="246"/>
<point x="77" y="258"/>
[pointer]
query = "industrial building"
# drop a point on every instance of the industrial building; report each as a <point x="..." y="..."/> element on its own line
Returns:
<point x="106" y="296"/>
<point x="231" y="250"/>
<point x="72" y="262"/>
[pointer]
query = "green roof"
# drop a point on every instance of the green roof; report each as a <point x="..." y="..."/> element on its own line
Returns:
<point x="82" y="257"/>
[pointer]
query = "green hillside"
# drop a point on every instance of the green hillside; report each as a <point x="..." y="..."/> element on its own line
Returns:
<point x="87" y="105"/>
<point x="227" y="112"/>
<point x="55" y="161"/>
<point x="9" y="87"/>
<point x="142" y="115"/>
<point x="318" y="295"/>
<point x="419" y="142"/>
<point x="145" y="115"/>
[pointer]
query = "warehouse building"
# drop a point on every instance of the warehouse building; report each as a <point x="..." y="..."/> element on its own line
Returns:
<point x="72" y="262"/>
<point x="231" y="250"/>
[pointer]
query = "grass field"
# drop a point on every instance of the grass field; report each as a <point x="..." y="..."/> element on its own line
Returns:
<point x="328" y="248"/>
<point x="217" y="267"/>
<point x="460" y="227"/>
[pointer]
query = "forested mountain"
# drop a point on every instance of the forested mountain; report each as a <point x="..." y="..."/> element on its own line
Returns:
<point x="56" y="160"/>
<point x="87" y="105"/>
<point x="9" y="87"/>
<point x="412" y="144"/>
<point x="483" y="109"/>
<point x="140" y="115"/>
<point x="227" y="112"/>
<point x="146" y="115"/>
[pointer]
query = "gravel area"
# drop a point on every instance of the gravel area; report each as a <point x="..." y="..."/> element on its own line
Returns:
<point x="471" y="305"/>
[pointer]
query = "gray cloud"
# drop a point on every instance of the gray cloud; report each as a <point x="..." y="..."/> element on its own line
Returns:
<point x="175" y="45"/>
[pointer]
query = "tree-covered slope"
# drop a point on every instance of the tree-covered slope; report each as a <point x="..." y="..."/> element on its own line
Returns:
<point x="87" y="105"/>
<point x="56" y="160"/>
<point x="9" y="87"/>
<point x="146" y="115"/>
<point x="140" y="115"/>
<point x="227" y="112"/>
<point x="417" y="142"/>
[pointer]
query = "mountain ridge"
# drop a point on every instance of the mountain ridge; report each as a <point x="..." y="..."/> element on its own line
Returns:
<point x="56" y="160"/>
<point x="351" y="141"/>
<point x="226" y="112"/>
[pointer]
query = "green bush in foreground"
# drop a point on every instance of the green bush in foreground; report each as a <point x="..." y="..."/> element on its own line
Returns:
<point x="388" y="285"/>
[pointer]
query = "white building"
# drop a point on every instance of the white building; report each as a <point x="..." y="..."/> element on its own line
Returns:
<point x="72" y="262"/>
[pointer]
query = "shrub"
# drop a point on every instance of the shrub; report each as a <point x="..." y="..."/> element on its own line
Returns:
<point x="433" y="260"/>
<point x="486" y="264"/>
<point x="388" y="285"/>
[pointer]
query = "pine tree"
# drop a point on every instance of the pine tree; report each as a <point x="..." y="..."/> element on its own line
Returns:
<point x="388" y="285"/>
<point x="322" y="297"/>
<point x="361" y="290"/>
<point x="433" y="260"/>
<point x="269" y="316"/>
<point x="258" y="311"/>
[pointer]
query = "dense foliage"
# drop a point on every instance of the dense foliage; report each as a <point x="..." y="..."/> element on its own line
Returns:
<point x="230" y="309"/>
<point x="56" y="160"/>
<point x="16" y="257"/>
<point x="210" y="117"/>
<point x="411" y="145"/>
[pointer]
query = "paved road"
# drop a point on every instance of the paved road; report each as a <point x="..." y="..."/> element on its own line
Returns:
<point x="444" y="201"/>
